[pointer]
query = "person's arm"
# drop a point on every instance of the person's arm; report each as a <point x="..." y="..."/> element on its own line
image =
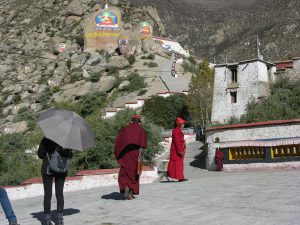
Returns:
<point x="177" y="140"/>
<point x="42" y="149"/>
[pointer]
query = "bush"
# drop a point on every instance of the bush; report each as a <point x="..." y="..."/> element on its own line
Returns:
<point x="76" y="75"/>
<point x="25" y="114"/>
<point x="92" y="102"/>
<point x="16" y="99"/>
<point x="131" y="59"/>
<point x="150" y="56"/>
<point x="94" y="77"/>
<point x="282" y="104"/>
<point x="102" y="155"/>
<point x="55" y="89"/>
<point x="80" y="40"/>
<point x="152" y="64"/>
<point x="15" y="165"/>
<point x="136" y="83"/>
<point x="163" y="111"/>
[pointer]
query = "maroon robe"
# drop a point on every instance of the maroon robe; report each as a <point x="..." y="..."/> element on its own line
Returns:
<point x="127" y="145"/>
<point x="177" y="151"/>
<point x="219" y="158"/>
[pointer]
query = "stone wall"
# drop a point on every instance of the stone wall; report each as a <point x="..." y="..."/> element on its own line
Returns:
<point x="251" y="131"/>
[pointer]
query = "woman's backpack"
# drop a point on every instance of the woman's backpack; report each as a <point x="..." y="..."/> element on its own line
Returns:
<point x="57" y="162"/>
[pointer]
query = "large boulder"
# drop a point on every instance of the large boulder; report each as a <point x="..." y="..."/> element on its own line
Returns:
<point x="149" y="45"/>
<point x="129" y="43"/>
<point x="117" y="62"/>
<point x="78" y="60"/>
<point x="105" y="84"/>
<point x="19" y="127"/>
<point x="72" y="19"/>
<point x="76" y="8"/>
<point x="95" y="59"/>
<point x="123" y="85"/>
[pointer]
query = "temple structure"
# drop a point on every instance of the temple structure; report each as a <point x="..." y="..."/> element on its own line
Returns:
<point x="236" y="84"/>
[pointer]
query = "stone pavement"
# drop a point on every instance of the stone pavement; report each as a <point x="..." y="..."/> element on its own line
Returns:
<point x="265" y="197"/>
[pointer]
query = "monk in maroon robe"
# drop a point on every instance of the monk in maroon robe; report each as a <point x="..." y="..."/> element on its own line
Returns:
<point x="128" y="145"/>
<point x="177" y="152"/>
<point x="219" y="158"/>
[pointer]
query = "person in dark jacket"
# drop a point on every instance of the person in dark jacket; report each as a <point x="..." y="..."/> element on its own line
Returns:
<point x="46" y="148"/>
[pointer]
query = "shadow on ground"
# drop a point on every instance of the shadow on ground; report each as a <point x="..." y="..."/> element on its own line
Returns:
<point x="67" y="212"/>
<point x="199" y="161"/>
<point x="113" y="196"/>
<point x="169" y="181"/>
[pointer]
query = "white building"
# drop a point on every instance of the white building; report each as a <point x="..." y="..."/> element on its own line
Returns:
<point x="172" y="45"/>
<point x="236" y="84"/>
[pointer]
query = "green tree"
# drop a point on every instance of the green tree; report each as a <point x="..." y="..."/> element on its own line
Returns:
<point x="283" y="103"/>
<point x="163" y="111"/>
<point x="200" y="96"/>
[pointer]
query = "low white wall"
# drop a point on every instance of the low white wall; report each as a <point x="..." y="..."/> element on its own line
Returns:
<point x="236" y="134"/>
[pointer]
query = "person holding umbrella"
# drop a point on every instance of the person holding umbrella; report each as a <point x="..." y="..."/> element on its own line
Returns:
<point x="64" y="130"/>
<point x="45" y="151"/>
<point x="177" y="152"/>
<point x="128" y="146"/>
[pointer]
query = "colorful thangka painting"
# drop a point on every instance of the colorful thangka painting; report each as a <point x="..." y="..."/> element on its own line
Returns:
<point x="146" y="29"/>
<point x="123" y="41"/>
<point x="107" y="21"/>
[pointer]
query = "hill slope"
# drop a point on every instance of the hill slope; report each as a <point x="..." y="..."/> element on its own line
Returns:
<point x="215" y="28"/>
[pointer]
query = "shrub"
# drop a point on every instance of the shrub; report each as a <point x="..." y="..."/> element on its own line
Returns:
<point x="25" y="114"/>
<point x="16" y="99"/>
<point x="152" y="64"/>
<point x="15" y="165"/>
<point x="55" y="89"/>
<point x="102" y="155"/>
<point x="163" y="111"/>
<point x="94" y="77"/>
<point x="92" y="102"/>
<point x="141" y="92"/>
<point x="150" y="56"/>
<point x="80" y="40"/>
<point x="131" y="59"/>
<point x="75" y="76"/>
<point x="136" y="82"/>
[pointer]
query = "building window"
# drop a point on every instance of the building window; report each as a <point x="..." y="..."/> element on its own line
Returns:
<point x="233" y="97"/>
<point x="234" y="75"/>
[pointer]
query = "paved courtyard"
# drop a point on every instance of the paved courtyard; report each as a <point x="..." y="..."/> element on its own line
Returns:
<point x="265" y="197"/>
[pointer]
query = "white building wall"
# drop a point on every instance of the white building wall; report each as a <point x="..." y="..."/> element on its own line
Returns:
<point x="247" y="133"/>
<point x="250" y="76"/>
<point x="296" y="62"/>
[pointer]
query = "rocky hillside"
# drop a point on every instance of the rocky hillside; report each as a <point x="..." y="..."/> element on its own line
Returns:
<point x="42" y="59"/>
<point x="216" y="28"/>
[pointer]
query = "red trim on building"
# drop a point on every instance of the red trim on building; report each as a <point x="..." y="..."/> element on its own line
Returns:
<point x="256" y="124"/>
<point x="284" y="64"/>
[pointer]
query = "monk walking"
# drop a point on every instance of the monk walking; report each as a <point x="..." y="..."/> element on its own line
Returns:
<point x="177" y="152"/>
<point x="130" y="141"/>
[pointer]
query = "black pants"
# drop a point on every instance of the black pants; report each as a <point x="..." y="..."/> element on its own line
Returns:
<point x="59" y="191"/>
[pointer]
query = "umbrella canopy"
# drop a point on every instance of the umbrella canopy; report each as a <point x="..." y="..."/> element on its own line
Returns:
<point x="67" y="129"/>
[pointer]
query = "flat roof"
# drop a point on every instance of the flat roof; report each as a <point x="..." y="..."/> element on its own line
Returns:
<point x="255" y="124"/>
<point x="243" y="62"/>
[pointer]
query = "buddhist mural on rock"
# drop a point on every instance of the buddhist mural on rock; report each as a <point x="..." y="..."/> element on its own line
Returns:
<point x="145" y="30"/>
<point x="107" y="21"/>
<point x="102" y="29"/>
